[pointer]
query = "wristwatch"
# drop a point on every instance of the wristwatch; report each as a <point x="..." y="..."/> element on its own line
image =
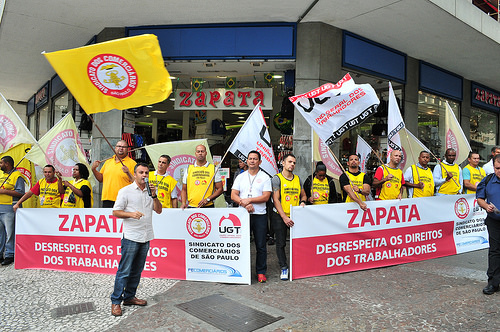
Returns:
<point x="208" y="199"/>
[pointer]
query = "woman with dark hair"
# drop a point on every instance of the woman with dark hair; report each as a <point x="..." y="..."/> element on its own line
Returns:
<point x="77" y="192"/>
<point x="321" y="188"/>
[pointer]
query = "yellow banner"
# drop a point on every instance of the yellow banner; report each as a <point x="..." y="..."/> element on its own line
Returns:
<point x="118" y="74"/>
<point x="26" y="168"/>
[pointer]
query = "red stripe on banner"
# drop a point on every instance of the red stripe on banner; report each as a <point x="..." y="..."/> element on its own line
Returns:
<point x="322" y="255"/>
<point x="166" y="258"/>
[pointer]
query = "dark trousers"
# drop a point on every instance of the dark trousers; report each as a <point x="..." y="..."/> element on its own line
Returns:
<point x="258" y="225"/>
<point x="108" y="204"/>
<point x="280" y="232"/>
<point x="494" y="251"/>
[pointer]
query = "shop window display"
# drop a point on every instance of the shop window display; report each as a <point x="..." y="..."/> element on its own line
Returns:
<point x="483" y="132"/>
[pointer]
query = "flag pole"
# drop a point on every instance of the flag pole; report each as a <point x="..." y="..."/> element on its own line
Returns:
<point x="312" y="161"/>
<point x="106" y="139"/>
<point x="412" y="153"/>
<point x="15" y="168"/>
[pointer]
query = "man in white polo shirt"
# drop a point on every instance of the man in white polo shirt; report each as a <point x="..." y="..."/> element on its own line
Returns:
<point x="251" y="190"/>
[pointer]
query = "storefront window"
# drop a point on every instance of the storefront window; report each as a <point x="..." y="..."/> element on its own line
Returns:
<point x="43" y="121"/>
<point x="483" y="132"/>
<point x="61" y="106"/>
<point x="431" y="121"/>
<point x="32" y="124"/>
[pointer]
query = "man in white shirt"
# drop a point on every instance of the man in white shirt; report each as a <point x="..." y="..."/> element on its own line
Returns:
<point x="135" y="206"/>
<point x="251" y="190"/>
<point x="488" y="167"/>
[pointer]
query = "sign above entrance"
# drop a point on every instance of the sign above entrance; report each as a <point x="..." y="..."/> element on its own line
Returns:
<point x="223" y="99"/>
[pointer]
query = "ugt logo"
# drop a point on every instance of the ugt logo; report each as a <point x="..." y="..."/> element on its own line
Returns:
<point x="230" y="226"/>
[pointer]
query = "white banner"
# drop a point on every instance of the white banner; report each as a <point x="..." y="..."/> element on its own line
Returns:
<point x="191" y="244"/>
<point x="336" y="238"/>
<point x="254" y="135"/>
<point x="332" y="109"/>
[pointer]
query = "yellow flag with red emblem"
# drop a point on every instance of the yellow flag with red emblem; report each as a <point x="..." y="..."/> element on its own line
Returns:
<point x="118" y="74"/>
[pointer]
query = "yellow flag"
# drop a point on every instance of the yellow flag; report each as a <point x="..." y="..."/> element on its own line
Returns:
<point x="455" y="137"/>
<point x="26" y="168"/>
<point x="321" y="152"/>
<point x="118" y="74"/>
<point x="60" y="147"/>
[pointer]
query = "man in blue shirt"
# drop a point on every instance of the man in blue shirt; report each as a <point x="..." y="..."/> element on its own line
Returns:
<point x="488" y="197"/>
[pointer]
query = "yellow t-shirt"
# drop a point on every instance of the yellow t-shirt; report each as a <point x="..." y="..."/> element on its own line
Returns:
<point x="357" y="180"/>
<point x="476" y="175"/>
<point x="450" y="187"/>
<point x="426" y="178"/>
<point x="392" y="188"/>
<point x="164" y="187"/>
<point x="10" y="184"/>
<point x="49" y="194"/>
<point x="114" y="178"/>
<point x="198" y="179"/>
<point x="320" y="191"/>
<point x="75" y="201"/>
<point x="290" y="193"/>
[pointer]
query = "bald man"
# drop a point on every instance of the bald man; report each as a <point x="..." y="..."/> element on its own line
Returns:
<point x="113" y="175"/>
<point x="198" y="188"/>
<point x="388" y="179"/>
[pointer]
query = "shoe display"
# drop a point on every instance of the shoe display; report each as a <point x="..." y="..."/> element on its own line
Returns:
<point x="8" y="261"/>
<point x="116" y="310"/>
<point x="135" y="301"/>
<point x="261" y="278"/>
<point x="284" y="274"/>
<point x="490" y="289"/>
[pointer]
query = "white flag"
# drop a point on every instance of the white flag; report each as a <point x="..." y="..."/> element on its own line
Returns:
<point x="254" y="135"/>
<point x="411" y="149"/>
<point x="12" y="130"/>
<point x="332" y="109"/>
<point x="364" y="150"/>
<point x="455" y="137"/>
<point x="394" y="124"/>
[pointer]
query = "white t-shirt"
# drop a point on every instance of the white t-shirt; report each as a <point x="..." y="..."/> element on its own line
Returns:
<point x="488" y="167"/>
<point x="253" y="186"/>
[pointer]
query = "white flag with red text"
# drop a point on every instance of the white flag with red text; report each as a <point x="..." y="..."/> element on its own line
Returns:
<point x="254" y="135"/>
<point x="333" y="109"/>
<point x="455" y="137"/>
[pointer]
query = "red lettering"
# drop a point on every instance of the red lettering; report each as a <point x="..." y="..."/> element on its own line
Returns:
<point x="102" y="224"/>
<point x="229" y="100"/>
<point x="77" y="224"/>
<point x="200" y="101"/>
<point x="393" y="215"/>
<point x="353" y="218"/>
<point x="65" y="218"/>
<point x="381" y="213"/>
<point x="214" y="97"/>
<point x="403" y="212"/>
<point x="414" y="213"/>
<point x="259" y="97"/>
<point x="367" y="218"/>
<point x="244" y="95"/>
<point x="89" y="221"/>
<point x="185" y="98"/>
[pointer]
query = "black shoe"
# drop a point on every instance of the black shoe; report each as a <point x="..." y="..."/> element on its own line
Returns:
<point x="271" y="241"/>
<point x="490" y="289"/>
<point x="8" y="261"/>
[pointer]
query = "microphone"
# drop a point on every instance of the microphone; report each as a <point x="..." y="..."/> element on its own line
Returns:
<point x="146" y="181"/>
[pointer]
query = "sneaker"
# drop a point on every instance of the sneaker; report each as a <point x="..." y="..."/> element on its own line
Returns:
<point x="284" y="274"/>
<point x="261" y="278"/>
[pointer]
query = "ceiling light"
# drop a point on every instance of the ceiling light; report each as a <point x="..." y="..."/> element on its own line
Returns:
<point x="160" y="112"/>
<point x="172" y="99"/>
<point x="278" y="76"/>
<point x="149" y="106"/>
<point x="243" y="121"/>
<point x="241" y="117"/>
<point x="173" y="77"/>
<point x="221" y="76"/>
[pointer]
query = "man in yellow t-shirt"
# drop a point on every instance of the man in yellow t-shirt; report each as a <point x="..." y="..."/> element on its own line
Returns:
<point x="196" y="181"/>
<point x="389" y="179"/>
<point x="113" y="175"/>
<point x="418" y="177"/>
<point x="46" y="189"/>
<point x="472" y="173"/>
<point x="354" y="183"/>
<point x="165" y="184"/>
<point x="448" y="175"/>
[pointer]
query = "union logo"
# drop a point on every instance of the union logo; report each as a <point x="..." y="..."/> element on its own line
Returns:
<point x="388" y="184"/>
<point x="62" y="152"/>
<point x="8" y="131"/>
<point x="113" y="75"/>
<point x="197" y="182"/>
<point x="198" y="225"/>
<point x="287" y="198"/>
<point x="462" y="208"/>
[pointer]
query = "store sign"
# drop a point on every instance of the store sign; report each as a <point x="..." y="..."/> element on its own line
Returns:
<point x="42" y="96"/>
<point x="485" y="98"/>
<point x="223" y="99"/>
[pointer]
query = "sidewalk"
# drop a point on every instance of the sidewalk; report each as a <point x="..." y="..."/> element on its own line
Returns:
<point x="436" y="295"/>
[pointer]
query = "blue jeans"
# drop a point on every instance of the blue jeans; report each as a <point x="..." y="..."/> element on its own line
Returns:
<point x="127" y="278"/>
<point x="7" y="234"/>
<point x="258" y="225"/>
